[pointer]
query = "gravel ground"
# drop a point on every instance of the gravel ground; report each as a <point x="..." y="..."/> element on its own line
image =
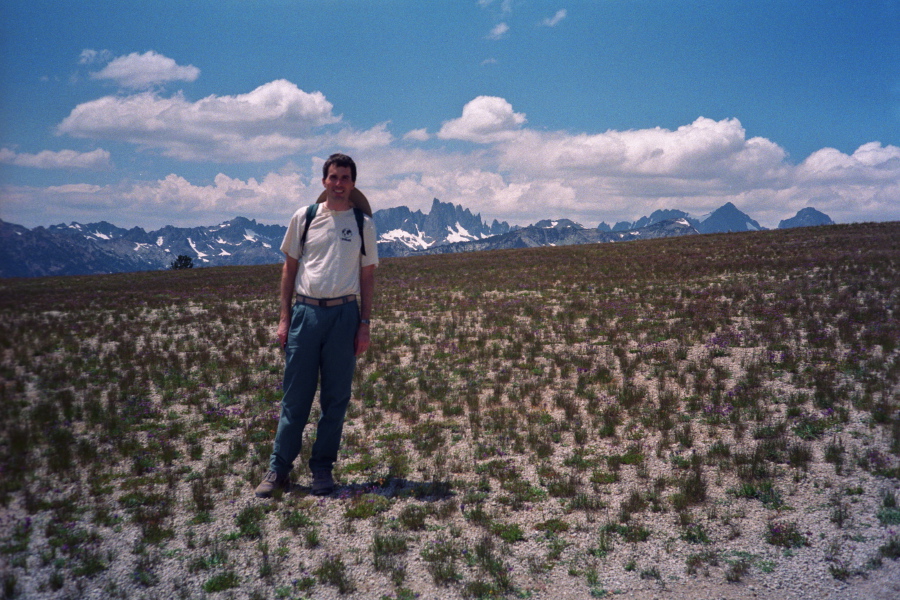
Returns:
<point x="657" y="571"/>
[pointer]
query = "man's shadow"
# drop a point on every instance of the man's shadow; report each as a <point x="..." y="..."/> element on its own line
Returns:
<point x="389" y="487"/>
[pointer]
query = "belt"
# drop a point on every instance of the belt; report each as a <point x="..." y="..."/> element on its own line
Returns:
<point x="326" y="302"/>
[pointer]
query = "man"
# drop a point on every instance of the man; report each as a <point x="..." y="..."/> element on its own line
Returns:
<point x="330" y="264"/>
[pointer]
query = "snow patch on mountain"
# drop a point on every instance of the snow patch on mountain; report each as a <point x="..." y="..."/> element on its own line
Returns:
<point x="413" y="240"/>
<point x="200" y="255"/>
<point x="459" y="234"/>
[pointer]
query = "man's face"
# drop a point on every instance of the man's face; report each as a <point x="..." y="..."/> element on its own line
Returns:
<point x="339" y="183"/>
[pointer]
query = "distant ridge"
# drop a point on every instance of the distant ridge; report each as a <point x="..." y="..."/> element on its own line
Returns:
<point x="562" y="235"/>
<point x="725" y="219"/>
<point x="81" y="249"/>
<point x="808" y="217"/>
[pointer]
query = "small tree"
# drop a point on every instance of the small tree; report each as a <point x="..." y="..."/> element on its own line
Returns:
<point x="182" y="262"/>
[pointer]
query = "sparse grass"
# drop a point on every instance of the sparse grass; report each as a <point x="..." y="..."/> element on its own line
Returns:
<point x="736" y="570"/>
<point x="891" y="548"/>
<point x="786" y="535"/>
<point x="608" y="388"/>
<point x="889" y="512"/>
<point x="441" y="556"/>
<point x="333" y="571"/>
<point x="221" y="582"/>
<point x="366" y="506"/>
<point x="385" y="549"/>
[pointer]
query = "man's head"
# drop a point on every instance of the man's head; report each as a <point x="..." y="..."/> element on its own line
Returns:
<point x="339" y="160"/>
<point x="339" y="179"/>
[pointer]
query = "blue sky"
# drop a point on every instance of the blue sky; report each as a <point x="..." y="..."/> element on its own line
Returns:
<point x="147" y="113"/>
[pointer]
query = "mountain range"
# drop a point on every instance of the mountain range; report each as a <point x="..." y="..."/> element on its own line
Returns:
<point x="78" y="249"/>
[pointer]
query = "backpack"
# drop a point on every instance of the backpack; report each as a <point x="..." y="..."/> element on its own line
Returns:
<point x="310" y="215"/>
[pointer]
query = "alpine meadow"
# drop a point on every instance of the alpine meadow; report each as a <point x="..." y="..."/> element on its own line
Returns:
<point x="709" y="416"/>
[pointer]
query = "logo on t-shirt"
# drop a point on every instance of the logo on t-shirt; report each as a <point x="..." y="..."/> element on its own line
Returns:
<point x="347" y="234"/>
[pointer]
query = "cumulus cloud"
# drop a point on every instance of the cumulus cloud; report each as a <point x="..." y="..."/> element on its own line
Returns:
<point x="513" y="173"/>
<point x="705" y="149"/>
<point x="143" y="71"/>
<point x="485" y="119"/>
<point x="870" y="163"/>
<point x="555" y="19"/>
<point x="620" y="175"/>
<point x="274" y="120"/>
<point x="96" y="160"/>
<point x="863" y="186"/>
<point x="273" y="197"/>
<point x="375" y="137"/>
<point x="172" y="200"/>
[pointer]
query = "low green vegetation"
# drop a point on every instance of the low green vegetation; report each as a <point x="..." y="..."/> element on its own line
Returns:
<point x="519" y="414"/>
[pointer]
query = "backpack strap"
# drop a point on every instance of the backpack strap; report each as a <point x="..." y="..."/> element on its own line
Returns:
<point x="311" y="214"/>
<point x="359" y="223"/>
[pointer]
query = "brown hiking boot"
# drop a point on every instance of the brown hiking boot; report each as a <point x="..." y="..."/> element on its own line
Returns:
<point x="322" y="483"/>
<point x="271" y="483"/>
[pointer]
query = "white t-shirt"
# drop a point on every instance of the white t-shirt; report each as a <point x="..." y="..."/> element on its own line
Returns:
<point x="331" y="259"/>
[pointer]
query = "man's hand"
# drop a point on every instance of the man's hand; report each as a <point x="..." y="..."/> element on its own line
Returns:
<point x="288" y="279"/>
<point x="366" y="291"/>
<point x="361" y="342"/>
<point x="284" y="326"/>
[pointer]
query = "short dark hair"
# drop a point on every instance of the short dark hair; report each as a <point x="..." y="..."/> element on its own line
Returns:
<point x="339" y="160"/>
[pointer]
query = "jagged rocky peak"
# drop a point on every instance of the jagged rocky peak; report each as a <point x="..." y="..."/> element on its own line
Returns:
<point x="100" y="231"/>
<point x="445" y="223"/>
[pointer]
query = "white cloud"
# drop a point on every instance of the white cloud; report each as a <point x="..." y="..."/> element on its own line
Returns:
<point x="172" y="200"/>
<point x="418" y="135"/>
<point x="870" y="163"/>
<point x="273" y="197"/>
<point x="375" y="137"/>
<point x="703" y="150"/>
<point x="96" y="160"/>
<point x="514" y="174"/>
<point x="555" y="19"/>
<point x="621" y="175"/>
<point x="274" y="120"/>
<point x="485" y="119"/>
<point x="143" y="71"/>
<point x="499" y="31"/>
<point x="863" y="186"/>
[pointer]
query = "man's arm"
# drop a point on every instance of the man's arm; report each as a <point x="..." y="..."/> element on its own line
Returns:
<point x="366" y="291"/>
<point x="288" y="278"/>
